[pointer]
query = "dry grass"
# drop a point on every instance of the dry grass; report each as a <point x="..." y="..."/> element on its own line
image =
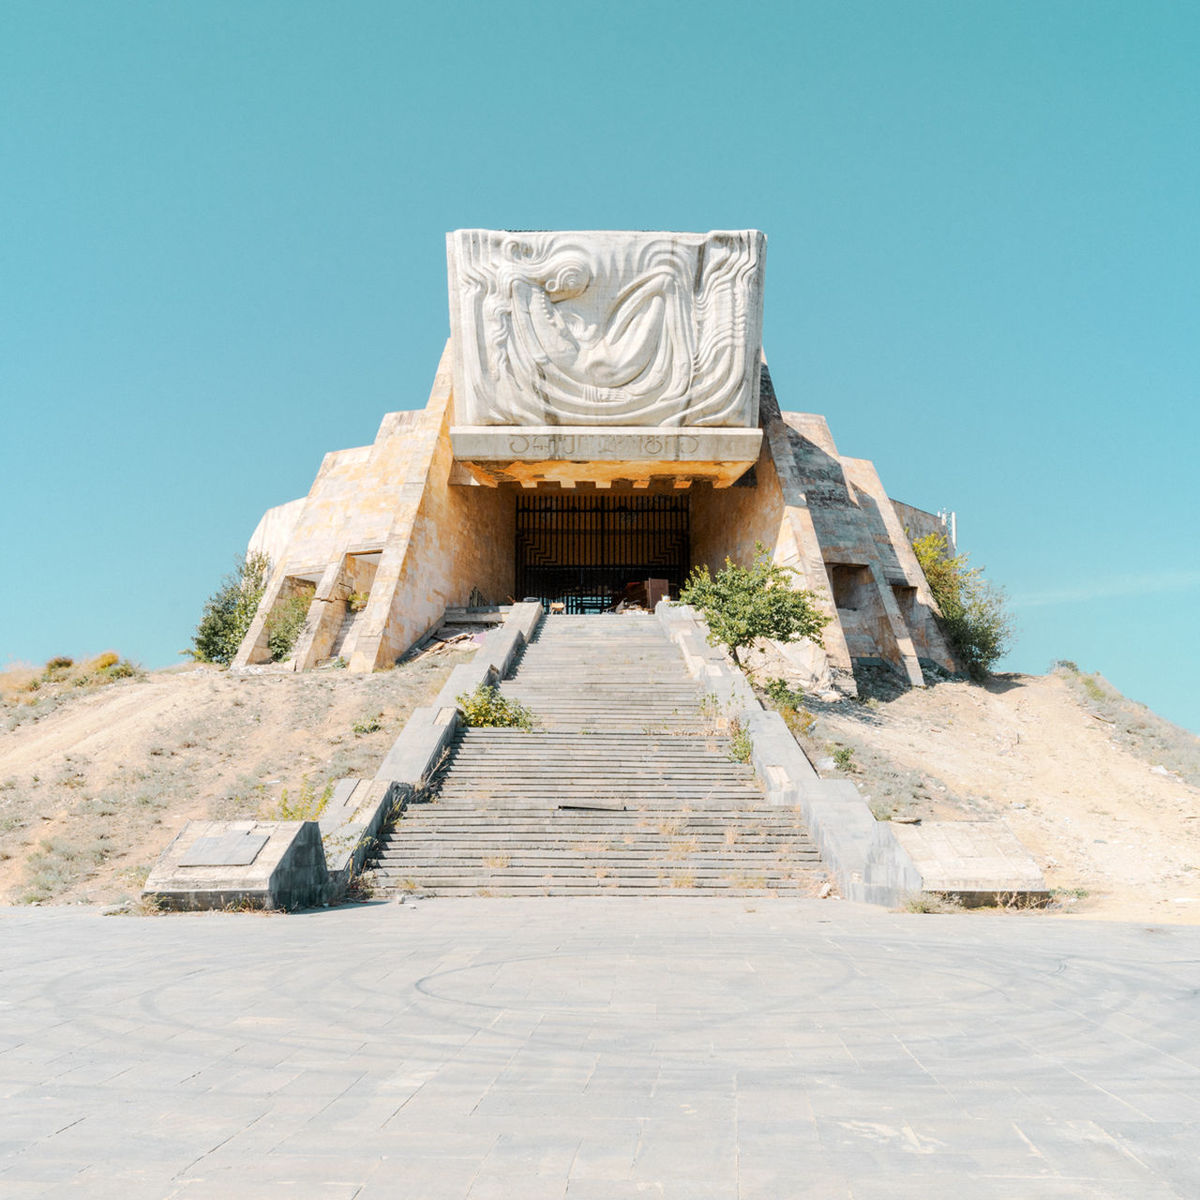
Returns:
<point x="1152" y="738"/>
<point x="749" y="882"/>
<point x="932" y="902"/>
<point x="682" y="848"/>
<point x="28" y="693"/>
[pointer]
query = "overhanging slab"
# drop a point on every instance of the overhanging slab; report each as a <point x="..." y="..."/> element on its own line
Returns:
<point x="581" y="454"/>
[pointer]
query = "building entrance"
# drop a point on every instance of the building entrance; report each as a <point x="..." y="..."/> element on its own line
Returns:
<point x="587" y="552"/>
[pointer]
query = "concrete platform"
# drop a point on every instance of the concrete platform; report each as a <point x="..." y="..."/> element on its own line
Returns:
<point x="596" y="1050"/>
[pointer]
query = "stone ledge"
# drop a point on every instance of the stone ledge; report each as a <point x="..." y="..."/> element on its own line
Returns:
<point x="977" y="861"/>
<point x="289" y="871"/>
<point x="497" y="454"/>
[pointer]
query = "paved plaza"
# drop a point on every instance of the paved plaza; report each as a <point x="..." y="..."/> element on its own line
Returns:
<point x="597" y="1049"/>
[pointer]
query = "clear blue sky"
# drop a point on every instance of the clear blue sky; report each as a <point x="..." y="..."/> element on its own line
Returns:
<point x="222" y="255"/>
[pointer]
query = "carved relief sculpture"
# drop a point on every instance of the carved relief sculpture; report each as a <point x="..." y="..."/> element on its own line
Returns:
<point x="606" y="328"/>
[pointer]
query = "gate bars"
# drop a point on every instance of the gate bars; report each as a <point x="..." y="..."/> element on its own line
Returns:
<point x="583" y="550"/>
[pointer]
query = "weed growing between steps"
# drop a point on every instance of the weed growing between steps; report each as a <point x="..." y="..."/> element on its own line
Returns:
<point x="485" y="707"/>
<point x="740" y="744"/>
<point x="723" y="721"/>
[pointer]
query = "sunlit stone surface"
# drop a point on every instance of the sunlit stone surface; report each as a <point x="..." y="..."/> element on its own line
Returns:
<point x="606" y="328"/>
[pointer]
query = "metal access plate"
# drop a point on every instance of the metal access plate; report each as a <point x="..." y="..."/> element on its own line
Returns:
<point x="224" y="850"/>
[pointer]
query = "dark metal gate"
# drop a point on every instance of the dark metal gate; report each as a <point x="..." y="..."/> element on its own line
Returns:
<point x="583" y="551"/>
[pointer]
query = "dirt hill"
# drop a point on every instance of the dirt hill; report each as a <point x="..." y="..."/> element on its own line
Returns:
<point x="1103" y="792"/>
<point x="96" y="778"/>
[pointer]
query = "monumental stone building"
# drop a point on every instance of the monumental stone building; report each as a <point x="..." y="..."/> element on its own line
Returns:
<point x="601" y="421"/>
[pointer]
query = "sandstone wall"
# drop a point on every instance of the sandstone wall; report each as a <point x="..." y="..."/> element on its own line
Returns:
<point x="400" y="521"/>
<point x="445" y="540"/>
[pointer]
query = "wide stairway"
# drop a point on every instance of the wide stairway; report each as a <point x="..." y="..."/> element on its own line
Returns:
<point x="626" y="785"/>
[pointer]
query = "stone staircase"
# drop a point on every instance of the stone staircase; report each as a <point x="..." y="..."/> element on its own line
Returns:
<point x="625" y="786"/>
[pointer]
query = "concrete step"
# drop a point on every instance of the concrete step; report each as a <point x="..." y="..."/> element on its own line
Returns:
<point x="626" y="786"/>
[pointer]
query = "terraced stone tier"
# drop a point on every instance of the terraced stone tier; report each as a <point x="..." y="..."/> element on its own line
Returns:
<point x="625" y="784"/>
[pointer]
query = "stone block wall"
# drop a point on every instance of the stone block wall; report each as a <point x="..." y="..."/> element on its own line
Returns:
<point x="446" y="541"/>
<point x="402" y="521"/>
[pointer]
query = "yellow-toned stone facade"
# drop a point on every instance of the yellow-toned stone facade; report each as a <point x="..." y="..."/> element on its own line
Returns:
<point x="386" y="541"/>
<point x="393" y="534"/>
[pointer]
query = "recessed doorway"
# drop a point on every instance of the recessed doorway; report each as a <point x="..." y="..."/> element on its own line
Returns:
<point x="584" y="552"/>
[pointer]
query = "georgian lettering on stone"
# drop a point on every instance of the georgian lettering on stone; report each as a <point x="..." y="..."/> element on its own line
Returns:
<point x="606" y="328"/>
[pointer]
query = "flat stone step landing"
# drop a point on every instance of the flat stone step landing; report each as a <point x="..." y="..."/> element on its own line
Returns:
<point x="626" y="785"/>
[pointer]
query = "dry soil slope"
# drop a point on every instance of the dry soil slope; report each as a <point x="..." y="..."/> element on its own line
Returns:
<point x="92" y="791"/>
<point x="1103" y="792"/>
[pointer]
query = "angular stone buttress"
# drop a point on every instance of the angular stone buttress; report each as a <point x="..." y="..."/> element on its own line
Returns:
<point x="602" y="417"/>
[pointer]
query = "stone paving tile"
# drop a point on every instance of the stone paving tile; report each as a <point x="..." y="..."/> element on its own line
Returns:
<point x="596" y="1048"/>
<point x="421" y="1177"/>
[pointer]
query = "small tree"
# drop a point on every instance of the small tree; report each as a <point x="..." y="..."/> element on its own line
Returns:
<point x="229" y="611"/>
<point x="741" y="604"/>
<point x="975" y="613"/>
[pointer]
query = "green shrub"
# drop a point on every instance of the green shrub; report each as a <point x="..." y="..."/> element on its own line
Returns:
<point x="60" y="663"/>
<point x="798" y="719"/>
<point x="486" y="707"/>
<point x="843" y="758"/>
<point x="229" y="611"/>
<point x="974" y="611"/>
<point x="782" y="695"/>
<point x="285" y="622"/>
<point x="372" y="723"/>
<point x="741" y="604"/>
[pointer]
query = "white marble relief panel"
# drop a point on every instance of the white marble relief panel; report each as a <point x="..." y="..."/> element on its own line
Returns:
<point x="606" y="328"/>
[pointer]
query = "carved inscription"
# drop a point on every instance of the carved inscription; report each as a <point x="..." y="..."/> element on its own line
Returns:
<point x="606" y="328"/>
<point x="587" y="446"/>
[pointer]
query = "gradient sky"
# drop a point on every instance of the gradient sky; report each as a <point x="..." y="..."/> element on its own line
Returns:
<point x="223" y="255"/>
